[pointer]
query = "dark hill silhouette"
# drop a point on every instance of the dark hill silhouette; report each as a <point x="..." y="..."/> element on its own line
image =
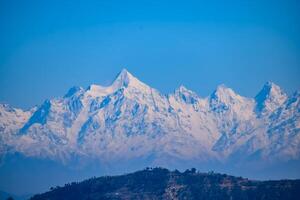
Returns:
<point x="159" y="183"/>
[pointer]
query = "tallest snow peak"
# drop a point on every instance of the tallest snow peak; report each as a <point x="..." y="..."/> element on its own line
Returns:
<point x="126" y="79"/>
<point x="124" y="73"/>
<point x="123" y="79"/>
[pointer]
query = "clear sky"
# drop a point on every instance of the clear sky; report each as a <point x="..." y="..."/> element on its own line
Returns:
<point x="48" y="46"/>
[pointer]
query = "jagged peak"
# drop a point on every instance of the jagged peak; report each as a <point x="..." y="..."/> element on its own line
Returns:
<point x="123" y="80"/>
<point x="73" y="90"/>
<point x="183" y="89"/>
<point x="185" y="94"/>
<point x="270" y="97"/>
<point x="223" y="92"/>
<point x="126" y="79"/>
<point x="224" y="97"/>
<point x="124" y="72"/>
<point x="269" y="89"/>
<point x="224" y="88"/>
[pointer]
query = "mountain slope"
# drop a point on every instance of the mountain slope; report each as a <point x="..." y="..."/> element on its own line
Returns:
<point x="160" y="183"/>
<point x="130" y="120"/>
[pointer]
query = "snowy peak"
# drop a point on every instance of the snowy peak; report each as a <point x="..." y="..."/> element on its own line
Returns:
<point x="130" y="119"/>
<point x="11" y="119"/>
<point x="269" y="98"/>
<point x="74" y="90"/>
<point x="126" y="79"/>
<point x="183" y="89"/>
<point x="123" y="79"/>
<point x="185" y="95"/>
<point x="225" y="95"/>
<point x="224" y="100"/>
<point x="224" y="90"/>
<point x="269" y="89"/>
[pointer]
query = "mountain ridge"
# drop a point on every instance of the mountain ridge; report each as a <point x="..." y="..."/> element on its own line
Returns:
<point x="129" y="119"/>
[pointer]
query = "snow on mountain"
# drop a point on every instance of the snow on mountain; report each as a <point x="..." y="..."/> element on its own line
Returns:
<point x="284" y="128"/>
<point x="269" y="99"/>
<point x="11" y="120"/>
<point x="129" y="119"/>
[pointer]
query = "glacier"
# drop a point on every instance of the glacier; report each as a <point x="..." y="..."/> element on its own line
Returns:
<point x="130" y="120"/>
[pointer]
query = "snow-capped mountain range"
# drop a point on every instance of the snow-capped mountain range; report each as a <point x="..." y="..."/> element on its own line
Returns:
<point x="129" y="120"/>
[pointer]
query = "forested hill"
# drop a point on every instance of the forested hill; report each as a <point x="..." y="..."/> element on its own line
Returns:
<point x="158" y="183"/>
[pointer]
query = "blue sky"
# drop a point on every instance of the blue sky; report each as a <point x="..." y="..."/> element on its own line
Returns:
<point x="49" y="46"/>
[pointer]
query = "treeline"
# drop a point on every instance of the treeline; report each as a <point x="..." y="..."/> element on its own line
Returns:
<point x="159" y="183"/>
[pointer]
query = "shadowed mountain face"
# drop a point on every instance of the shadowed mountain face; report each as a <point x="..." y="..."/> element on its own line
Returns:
<point x="161" y="183"/>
